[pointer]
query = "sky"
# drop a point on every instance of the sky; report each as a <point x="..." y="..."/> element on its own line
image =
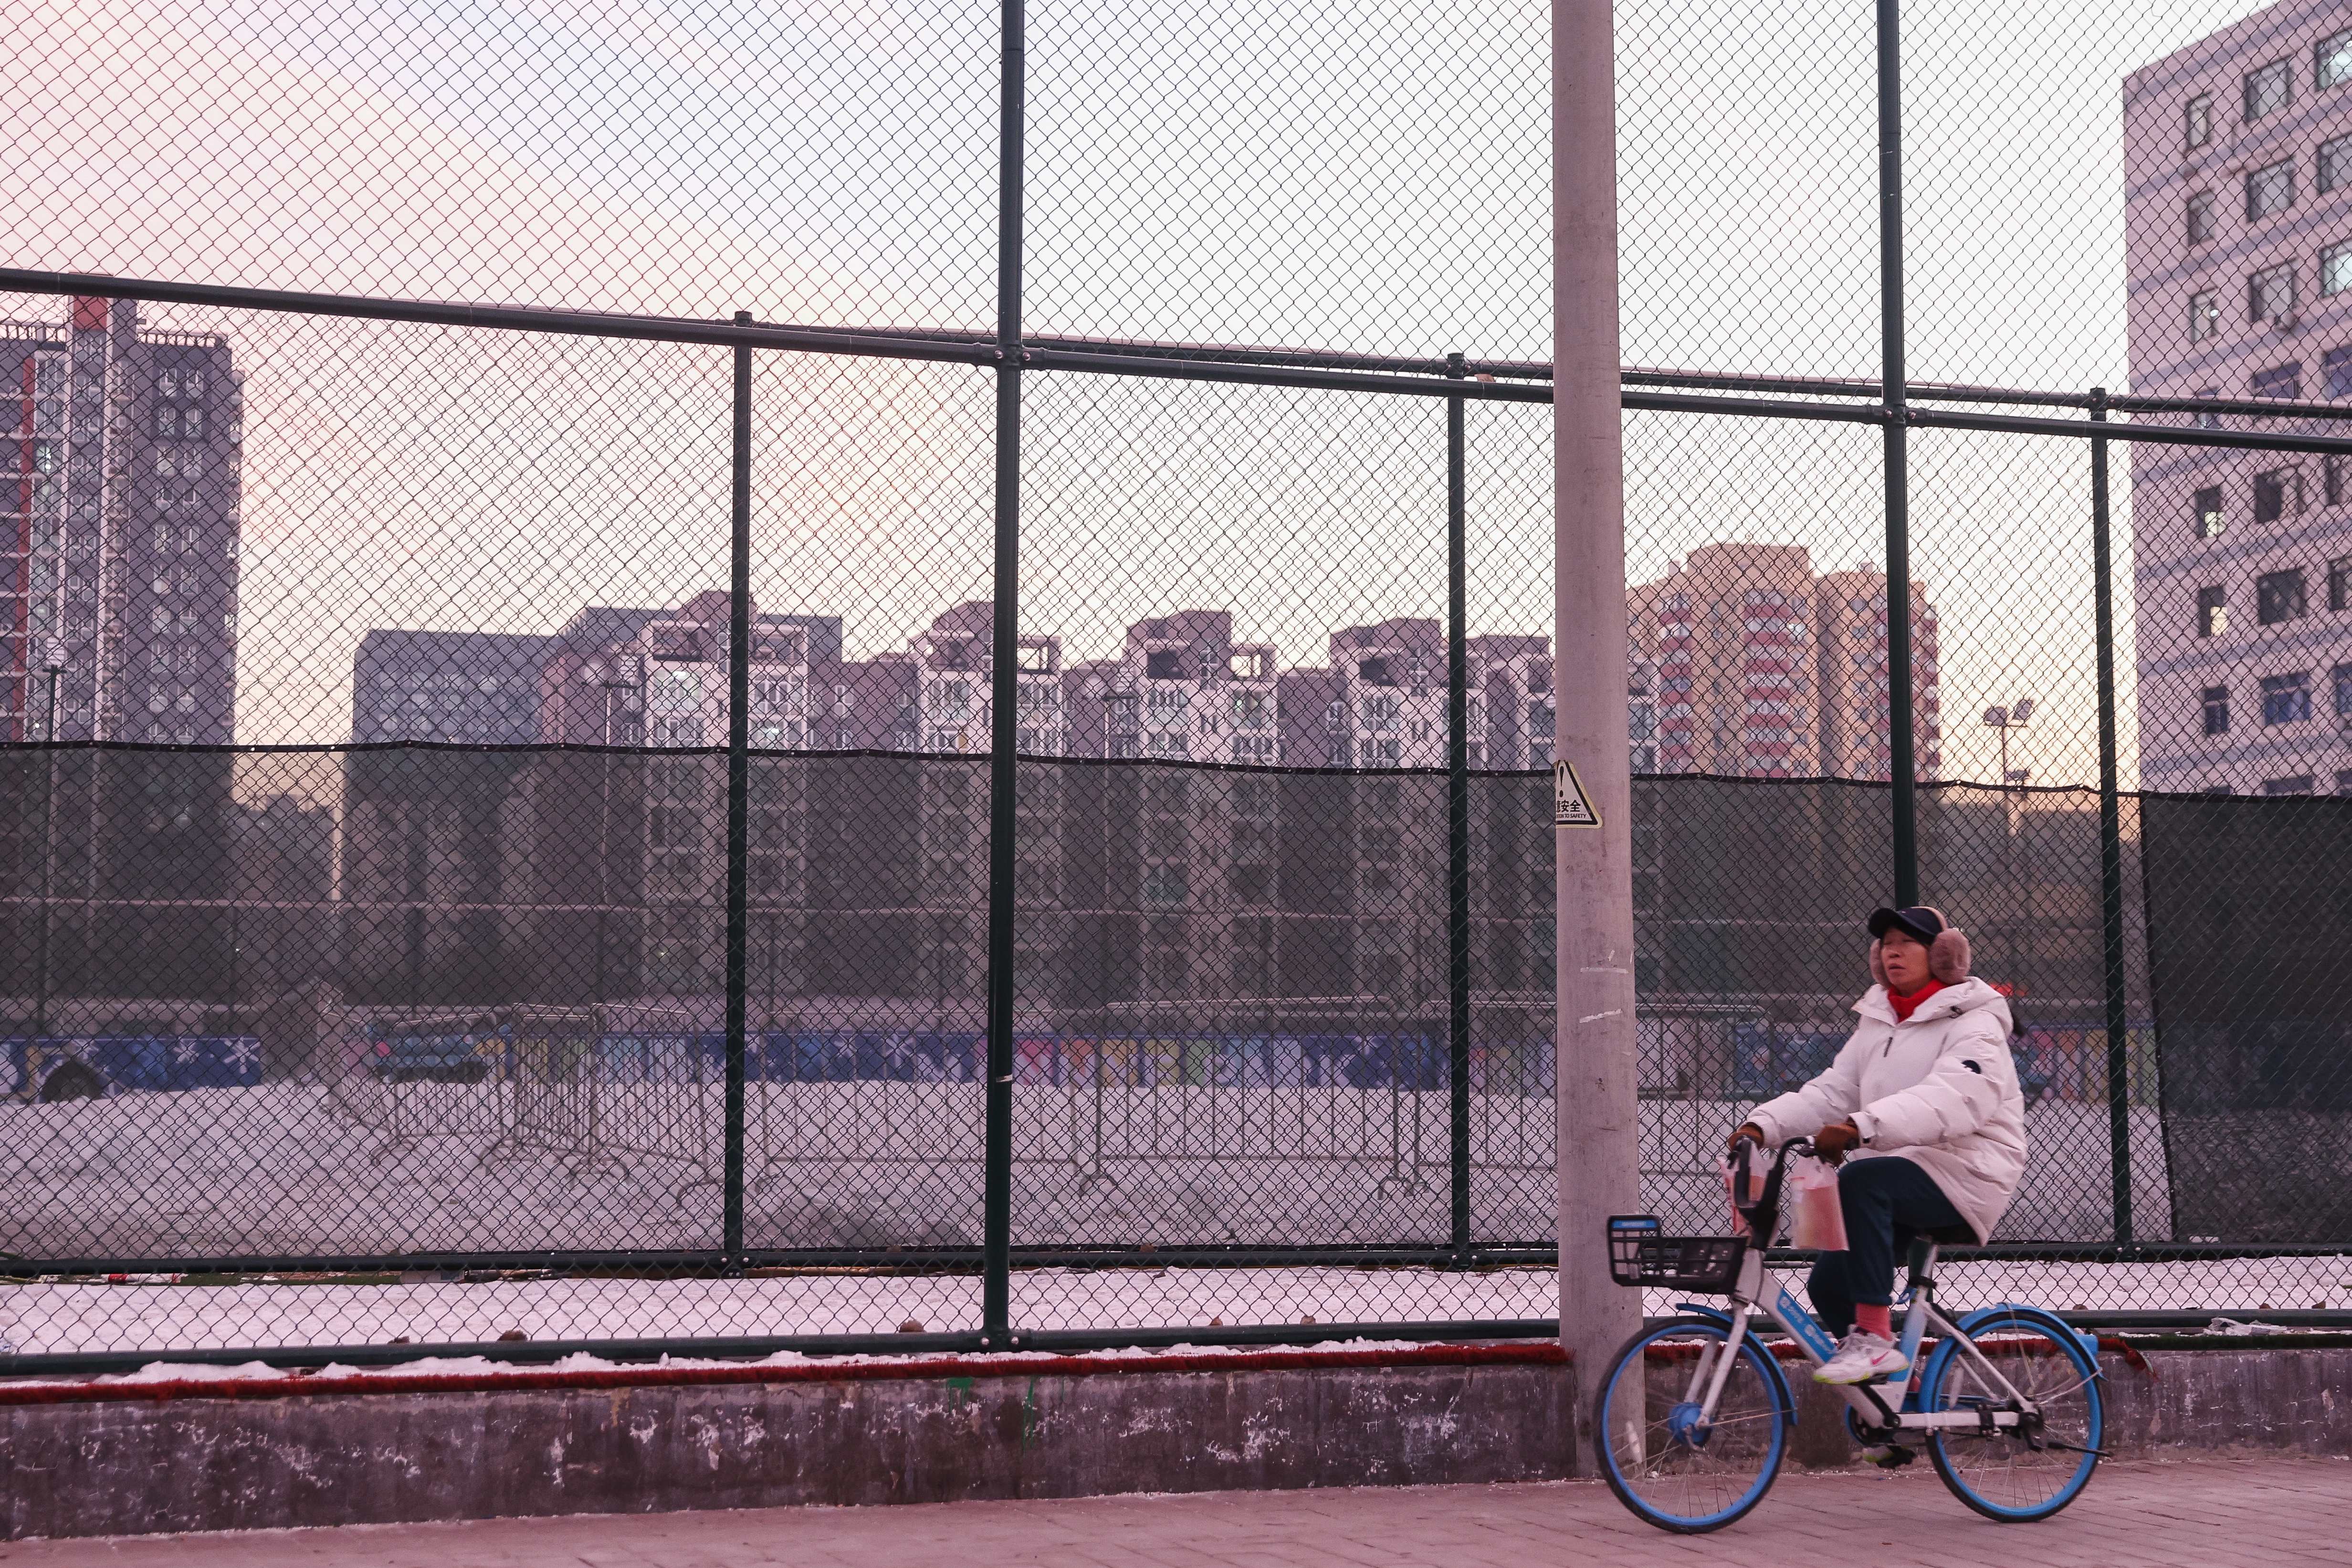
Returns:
<point x="1373" y="177"/>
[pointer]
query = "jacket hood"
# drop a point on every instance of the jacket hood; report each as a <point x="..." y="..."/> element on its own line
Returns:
<point x="1970" y="995"/>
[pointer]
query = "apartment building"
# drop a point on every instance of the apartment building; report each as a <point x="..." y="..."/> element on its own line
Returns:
<point x="466" y="873"/>
<point x="1851" y="689"/>
<point x="120" y="487"/>
<point x="2238" y="234"/>
<point x="1765" y="669"/>
<point x="1180" y="689"/>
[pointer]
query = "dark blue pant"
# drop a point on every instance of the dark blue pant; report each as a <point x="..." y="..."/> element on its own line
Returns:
<point x="1887" y="1201"/>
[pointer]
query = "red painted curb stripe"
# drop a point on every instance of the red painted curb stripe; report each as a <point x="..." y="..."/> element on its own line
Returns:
<point x="1540" y="1352"/>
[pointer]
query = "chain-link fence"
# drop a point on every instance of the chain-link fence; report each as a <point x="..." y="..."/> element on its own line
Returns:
<point x="843" y="762"/>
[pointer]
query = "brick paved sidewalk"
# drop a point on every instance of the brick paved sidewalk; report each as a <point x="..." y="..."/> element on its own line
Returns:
<point x="2196" y="1515"/>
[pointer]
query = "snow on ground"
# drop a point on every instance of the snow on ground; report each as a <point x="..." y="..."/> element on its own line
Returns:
<point x="361" y="1169"/>
<point x="57" y="1316"/>
<point x="356" y="1168"/>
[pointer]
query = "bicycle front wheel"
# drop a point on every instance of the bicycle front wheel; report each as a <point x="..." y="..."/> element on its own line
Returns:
<point x="1678" y="1471"/>
<point x="2017" y="1474"/>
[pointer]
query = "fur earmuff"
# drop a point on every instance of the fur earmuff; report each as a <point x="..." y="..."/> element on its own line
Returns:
<point x="1948" y="956"/>
<point x="1878" y="967"/>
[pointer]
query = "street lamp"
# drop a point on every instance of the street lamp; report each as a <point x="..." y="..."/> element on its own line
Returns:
<point x="620" y="675"/>
<point x="53" y="662"/>
<point x="2004" y="719"/>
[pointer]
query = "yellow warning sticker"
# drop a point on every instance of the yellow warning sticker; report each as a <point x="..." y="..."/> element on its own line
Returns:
<point x="1571" y="807"/>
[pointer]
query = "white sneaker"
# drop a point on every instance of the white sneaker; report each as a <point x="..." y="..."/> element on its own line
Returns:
<point x="1861" y="1358"/>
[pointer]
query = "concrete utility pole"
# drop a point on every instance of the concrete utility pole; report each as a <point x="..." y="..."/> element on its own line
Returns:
<point x="1598" y="1151"/>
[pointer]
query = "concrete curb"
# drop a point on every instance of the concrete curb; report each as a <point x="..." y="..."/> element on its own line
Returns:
<point x="216" y="1456"/>
<point x="311" y="1383"/>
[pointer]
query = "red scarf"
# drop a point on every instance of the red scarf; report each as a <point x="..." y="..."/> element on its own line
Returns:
<point x="1906" y="1005"/>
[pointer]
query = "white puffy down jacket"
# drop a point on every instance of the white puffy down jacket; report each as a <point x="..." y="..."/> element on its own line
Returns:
<point x="1939" y="1091"/>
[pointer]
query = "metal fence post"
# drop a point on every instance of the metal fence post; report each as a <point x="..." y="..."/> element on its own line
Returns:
<point x="1457" y="811"/>
<point x="1004" y="693"/>
<point x="2111" y="842"/>
<point x="1903" y="762"/>
<point x="738" y="789"/>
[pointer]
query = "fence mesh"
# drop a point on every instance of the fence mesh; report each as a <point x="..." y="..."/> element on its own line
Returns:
<point x="383" y="706"/>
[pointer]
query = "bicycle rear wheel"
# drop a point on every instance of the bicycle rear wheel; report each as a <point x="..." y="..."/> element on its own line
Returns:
<point x="2013" y="1474"/>
<point x="1659" y="1459"/>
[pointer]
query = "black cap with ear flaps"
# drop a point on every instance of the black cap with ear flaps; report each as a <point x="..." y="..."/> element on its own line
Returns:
<point x="1920" y="922"/>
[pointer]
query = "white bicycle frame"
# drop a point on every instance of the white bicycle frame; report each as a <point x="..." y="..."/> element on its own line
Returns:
<point x="1754" y="1292"/>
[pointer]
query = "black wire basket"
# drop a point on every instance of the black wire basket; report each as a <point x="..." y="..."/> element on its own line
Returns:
<point x="1639" y="1256"/>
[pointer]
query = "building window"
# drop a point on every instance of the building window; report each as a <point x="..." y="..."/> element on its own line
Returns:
<point x="2198" y="120"/>
<point x="2270" y="294"/>
<point x="2204" y="316"/>
<point x="2286" y="698"/>
<point x="2208" y="512"/>
<point x="2335" y="366"/>
<point x="2331" y="60"/>
<point x="2341" y="677"/>
<point x="2270" y="189"/>
<point x="2279" y="596"/>
<point x="2335" y="163"/>
<point x="2334" y="481"/>
<point x="2278" y="492"/>
<point x="2336" y="267"/>
<point x="2200" y="217"/>
<point x="2339" y="583"/>
<point x="2299" y="784"/>
<point x="2207" y="421"/>
<point x="2269" y="89"/>
<point x="2217" y="710"/>
<point x="2212" y="612"/>
<point x="2281" y="381"/>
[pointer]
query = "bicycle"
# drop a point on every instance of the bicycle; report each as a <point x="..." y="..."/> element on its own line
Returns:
<point x="1694" y="1415"/>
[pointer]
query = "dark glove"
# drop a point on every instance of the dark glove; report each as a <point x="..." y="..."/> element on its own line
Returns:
<point x="1749" y="1130"/>
<point x="1831" y="1142"/>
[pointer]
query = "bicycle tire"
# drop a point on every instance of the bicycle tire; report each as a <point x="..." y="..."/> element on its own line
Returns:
<point x="2003" y="1477"/>
<point x="1672" y="1481"/>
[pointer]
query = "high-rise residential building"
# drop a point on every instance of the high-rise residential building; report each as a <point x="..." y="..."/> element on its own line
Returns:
<point x="1522" y="717"/>
<point x="1378" y="704"/>
<point x="2238" y="255"/>
<point x="454" y="687"/>
<point x="466" y="873"/>
<point x="1732" y="629"/>
<point x="119" y="507"/>
<point x="1180" y="689"/>
<point x="1765" y="670"/>
<point x="119" y="489"/>
<point x="1850" y="624"/>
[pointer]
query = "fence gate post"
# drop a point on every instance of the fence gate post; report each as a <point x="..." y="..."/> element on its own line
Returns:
<point x="738" y="789"/>
<point x="1894" y="390"/>
<point x="2111" y="843"/>
<point x="1004" y="693"/>
<point x="1457" y="813"/>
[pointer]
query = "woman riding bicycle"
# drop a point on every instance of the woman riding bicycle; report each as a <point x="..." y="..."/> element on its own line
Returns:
<point x="1928" y="1078"/>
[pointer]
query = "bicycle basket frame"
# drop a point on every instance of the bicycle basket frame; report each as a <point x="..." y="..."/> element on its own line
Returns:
<point x="1639" y="1256"/>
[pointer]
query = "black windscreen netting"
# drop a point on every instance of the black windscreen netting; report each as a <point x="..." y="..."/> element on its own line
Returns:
<point x="389" y="1000"/>
<point x="2250" y="920"/>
